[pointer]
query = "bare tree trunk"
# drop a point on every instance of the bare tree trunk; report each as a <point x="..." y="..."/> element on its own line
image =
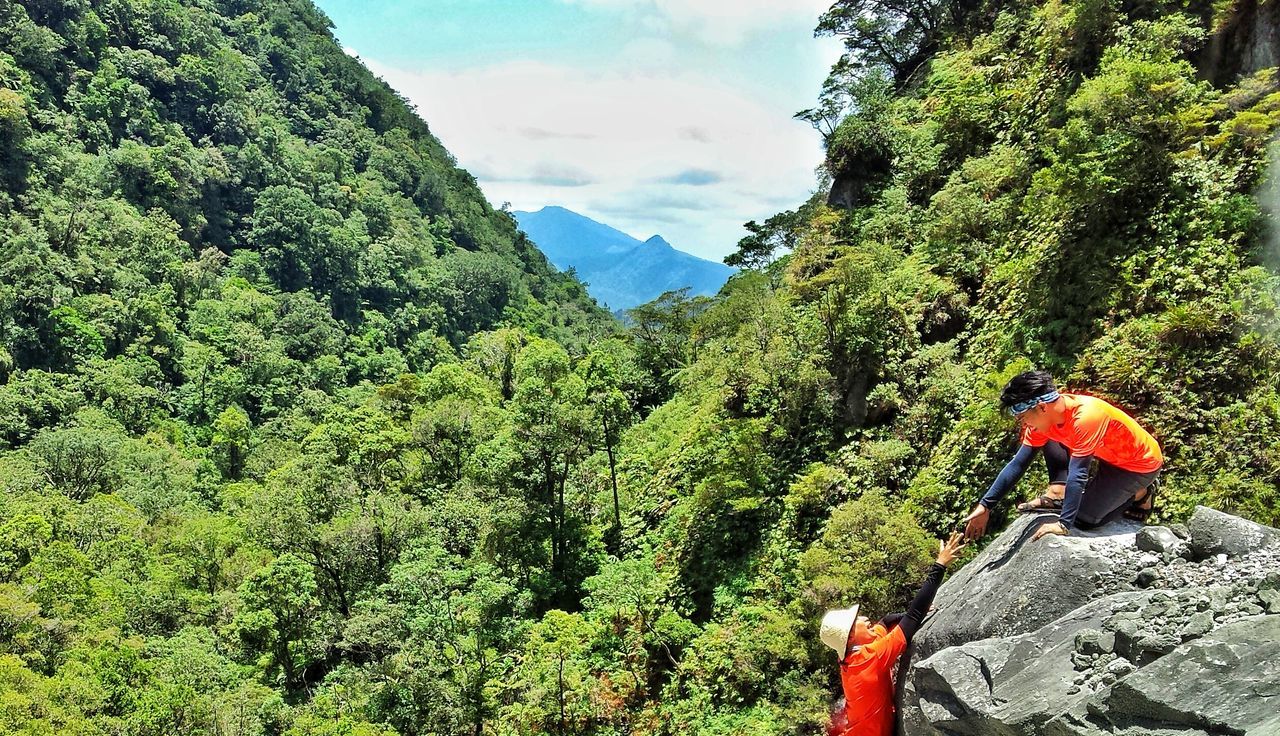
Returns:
<point x="613" y="474"/>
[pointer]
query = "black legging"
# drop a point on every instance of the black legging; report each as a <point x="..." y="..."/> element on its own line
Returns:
<point x="1056" y="458"/>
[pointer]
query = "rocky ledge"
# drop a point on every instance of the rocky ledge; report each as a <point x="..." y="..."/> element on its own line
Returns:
<point x="1126" y="631"/>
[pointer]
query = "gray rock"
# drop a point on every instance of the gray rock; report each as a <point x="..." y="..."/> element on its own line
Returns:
<point x="1126" y="635"/>
<point x="1126" y="663"/>
<point x="1199" y="625"/>
<point x="1270" y="599"/>
<point x="1271" y="581"/>
<point x="1152" y="646"/>
<point x="1226" y="682"/>
<point x="1155" y="610"/>
<point x="1008" y="590"/>
<point x="1124" y="616"/>
<point x="1121" y="667"/>
<point x="1214" y="533"/>
<point x="1009" y="685"/>
<point x="1093" y="641"/>
<point x="1161" y="540"/>
<point x="1147" y="577"/>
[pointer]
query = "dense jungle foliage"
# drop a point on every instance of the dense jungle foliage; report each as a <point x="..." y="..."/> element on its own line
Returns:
<point x="299" y="436"/>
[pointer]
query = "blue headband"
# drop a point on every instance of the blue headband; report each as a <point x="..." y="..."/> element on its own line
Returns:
<point x="1023" y="407"/>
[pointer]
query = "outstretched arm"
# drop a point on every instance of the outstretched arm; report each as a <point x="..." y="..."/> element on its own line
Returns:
<point x="891" y="620"/>
<point x="975" y="525"/>
<point x="1009" y="476"/>
<point x="919" y="608"/>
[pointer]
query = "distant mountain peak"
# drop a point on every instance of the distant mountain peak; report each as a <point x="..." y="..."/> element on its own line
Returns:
<point x="620" y="271"/>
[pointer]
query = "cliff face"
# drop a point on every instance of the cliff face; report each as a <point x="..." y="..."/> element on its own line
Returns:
<point x="1247" y="40"/>
<point x="1129" y="631"/>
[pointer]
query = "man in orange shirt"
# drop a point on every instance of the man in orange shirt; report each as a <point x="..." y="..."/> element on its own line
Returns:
<point x="869" y="653"/>
<point x="1085" y="429"/>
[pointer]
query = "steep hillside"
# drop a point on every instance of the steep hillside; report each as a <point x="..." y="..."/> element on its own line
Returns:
<point x="219" y="235"/>
<point x="1050" y="184"/>
<point x="164" y="161"/>
<point x="300" y="437"/>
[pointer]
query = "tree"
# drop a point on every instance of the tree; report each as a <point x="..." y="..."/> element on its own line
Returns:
<point x="604" y="371"/>
<point x="304" y="244"/>
<point x="14" y="128"/>
<point x="666" y="339"/>
<point x="81" y="462"/>
<point x="554" y="687"/>
<point x="458" y="411"/>
<point x="892" y="34"/>
<point x="278" y="616"/>
<point x="232" y="433"/>
<point x="636" y="602"/>
<point x="456" y="622"/>
<point x="757" y="249"/>
<point x="205" y="545"/>
<point x="869" y="553"/>
<point x="550" y="427"/>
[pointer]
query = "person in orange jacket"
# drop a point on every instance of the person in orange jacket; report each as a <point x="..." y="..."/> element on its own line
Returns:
<point x="869" y="653"/>
<point x="1075" y="431"/>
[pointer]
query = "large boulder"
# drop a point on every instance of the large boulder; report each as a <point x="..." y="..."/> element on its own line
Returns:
<point x="1008" y="590"/>
<point x="1052" y="639"/>
<point x="1011" y="685"/>
<point x="1214" y="533"/>
<point x="1227" y="682"/>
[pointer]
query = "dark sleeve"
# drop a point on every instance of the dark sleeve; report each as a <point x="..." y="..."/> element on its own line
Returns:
<point x="1010" y="476"/>
<point x="919" y="607"/>
<point x="1077" y="478"/>
<point x="891" y="620"/>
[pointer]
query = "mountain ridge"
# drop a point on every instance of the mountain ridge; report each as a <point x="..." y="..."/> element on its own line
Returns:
<point x="621" y="271"/>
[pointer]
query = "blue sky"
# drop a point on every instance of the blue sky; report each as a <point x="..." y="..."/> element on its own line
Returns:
<point x="654" y="116"/>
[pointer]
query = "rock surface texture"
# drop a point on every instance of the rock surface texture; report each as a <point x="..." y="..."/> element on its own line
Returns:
<point x="1126" y="631"/>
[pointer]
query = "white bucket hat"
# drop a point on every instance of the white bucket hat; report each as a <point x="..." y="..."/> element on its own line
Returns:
<point x="836" y="626"/>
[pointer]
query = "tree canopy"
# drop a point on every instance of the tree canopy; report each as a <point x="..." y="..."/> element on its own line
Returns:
<point x="299" y="436"/>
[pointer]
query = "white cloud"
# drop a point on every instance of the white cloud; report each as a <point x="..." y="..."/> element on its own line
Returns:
<point x="620" y="146"/>
<point x="716" y="22"/>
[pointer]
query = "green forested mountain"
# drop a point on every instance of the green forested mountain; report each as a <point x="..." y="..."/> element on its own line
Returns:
<point x="299" y="436"/>
<point x="169" y="166"/>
